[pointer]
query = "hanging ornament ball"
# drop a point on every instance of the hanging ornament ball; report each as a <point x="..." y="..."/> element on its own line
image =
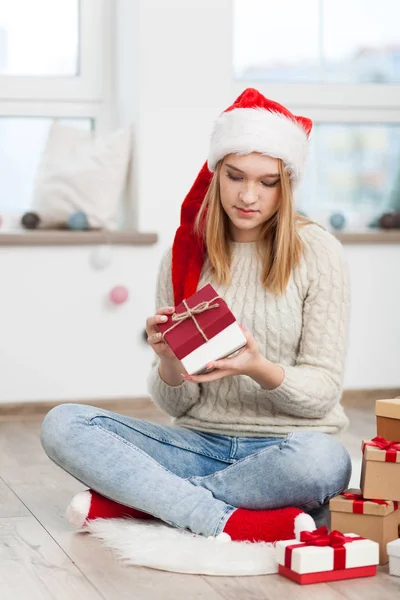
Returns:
<point x="78" y="221"/>
<point x="119" y="294"/>
<point x="101" y="257"/>
<point x="390" y="220"/>
<point x="337" y="220"/>
<point x="30" y="220"/>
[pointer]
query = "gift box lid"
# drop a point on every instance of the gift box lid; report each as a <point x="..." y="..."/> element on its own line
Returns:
<point x="185" y="331"/>
<point x="356" y="504"/>
<point x="372" y="451"/>
<point x="393" y="548"/>
<point x="388" y="408"/>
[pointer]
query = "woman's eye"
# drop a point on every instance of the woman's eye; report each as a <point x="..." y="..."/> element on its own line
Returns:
<point x="265" y="184"/>
<point x="230" y="176"/>
<point x="239" y="178"/>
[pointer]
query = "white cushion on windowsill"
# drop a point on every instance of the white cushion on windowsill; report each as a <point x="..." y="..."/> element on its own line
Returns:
<point x="80" y="171"/>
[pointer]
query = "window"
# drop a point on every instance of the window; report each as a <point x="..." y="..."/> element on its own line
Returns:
<point x="353" y="169"/>
<point x="44" y="42"/>
<point x="22" y="142"/>
<point x="54" y="65"/>
<point x="338" y="62"/>
<point x="318" y="41"/>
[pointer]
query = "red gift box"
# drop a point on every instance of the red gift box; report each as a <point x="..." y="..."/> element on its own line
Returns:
<point x="202" y="329"/>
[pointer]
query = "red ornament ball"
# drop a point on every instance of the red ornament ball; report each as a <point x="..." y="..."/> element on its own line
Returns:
<point x="119" y="294"/>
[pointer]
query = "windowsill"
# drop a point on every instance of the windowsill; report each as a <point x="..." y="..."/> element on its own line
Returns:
<point x="369" y="236"/>
<point x="76" y="238"/>
<point x="135" y="238"/>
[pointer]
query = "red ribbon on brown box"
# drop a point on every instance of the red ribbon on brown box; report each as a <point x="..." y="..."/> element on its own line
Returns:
<point x="391" y="447"/>
<point x="359" y="500"/>
<point x="195" y="321"/>
<point x="321" y="537"/>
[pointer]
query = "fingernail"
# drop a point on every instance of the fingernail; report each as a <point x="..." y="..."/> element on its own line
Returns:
<point x="164" y="318"/>
<point x="171" y="308"/>
<point x="209" y="366"/>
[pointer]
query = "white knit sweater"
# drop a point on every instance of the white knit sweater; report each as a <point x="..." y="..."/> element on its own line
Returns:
<point x="304" y="331"/>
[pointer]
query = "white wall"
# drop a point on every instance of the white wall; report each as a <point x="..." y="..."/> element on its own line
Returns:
<point x="181" y="83"/>
<point x="374" y="346"/>
<point x="58" y="337"/>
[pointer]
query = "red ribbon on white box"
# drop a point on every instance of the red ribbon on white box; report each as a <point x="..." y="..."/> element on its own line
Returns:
<point x="321" y="537"/>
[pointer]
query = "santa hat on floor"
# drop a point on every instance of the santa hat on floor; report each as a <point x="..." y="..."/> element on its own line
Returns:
<point x="252" y="123"/>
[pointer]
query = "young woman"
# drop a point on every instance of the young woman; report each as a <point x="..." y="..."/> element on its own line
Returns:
<point x="251" y="450"/>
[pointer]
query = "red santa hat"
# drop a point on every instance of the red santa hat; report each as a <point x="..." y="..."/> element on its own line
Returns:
<point x="252" y="123"/>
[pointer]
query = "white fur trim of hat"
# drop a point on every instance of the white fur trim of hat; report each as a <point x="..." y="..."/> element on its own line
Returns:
<point x="246" y="130"/>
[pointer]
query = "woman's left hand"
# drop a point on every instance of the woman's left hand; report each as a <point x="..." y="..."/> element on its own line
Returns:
<point x="241" y="364"/>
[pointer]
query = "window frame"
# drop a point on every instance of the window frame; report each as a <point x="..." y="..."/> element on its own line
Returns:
<point x="88" y="94"/>
<point x="320" y="95"/>
<point x="324" y="103"/>
<point x="328" y="102"/>
<point x="88" y="84"/>
<point x="377" y="97"/>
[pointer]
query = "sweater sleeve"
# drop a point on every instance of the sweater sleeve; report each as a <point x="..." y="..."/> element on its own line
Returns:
<point x="312" y="387"/>
<point x="174" y="400"/>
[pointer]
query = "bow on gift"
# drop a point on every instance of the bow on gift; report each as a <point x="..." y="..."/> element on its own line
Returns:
<point x="321" y="537"/>
<point x="391" y="447"/>
<point x="190" y="313"/>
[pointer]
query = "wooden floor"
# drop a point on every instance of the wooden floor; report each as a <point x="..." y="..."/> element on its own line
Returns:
<point x="42" y="558"/>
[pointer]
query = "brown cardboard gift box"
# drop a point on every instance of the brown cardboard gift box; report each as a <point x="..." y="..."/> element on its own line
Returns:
<point x="378" y="521"/>
<point x="380" y="471"/>
<point x="388" y="418"/>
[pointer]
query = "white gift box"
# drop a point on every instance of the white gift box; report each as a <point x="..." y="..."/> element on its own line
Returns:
<point x="222" y="345"/>
<point x="393" y="550"/>
<point x="316" y="559"/>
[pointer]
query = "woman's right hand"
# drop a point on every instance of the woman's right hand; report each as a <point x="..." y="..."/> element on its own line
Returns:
<point x="154" y="337"/>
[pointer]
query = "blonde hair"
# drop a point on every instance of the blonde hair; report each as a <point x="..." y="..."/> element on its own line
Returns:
<point x="279" y="246"/>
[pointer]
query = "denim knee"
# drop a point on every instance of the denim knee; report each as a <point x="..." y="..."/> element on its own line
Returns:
<point x="325" y="465"/>
<point x="57" y="427"/>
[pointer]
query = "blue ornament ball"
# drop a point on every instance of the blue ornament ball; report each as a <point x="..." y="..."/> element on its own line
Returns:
<point x="337" y="220"/>
<point x="78" y="221"/>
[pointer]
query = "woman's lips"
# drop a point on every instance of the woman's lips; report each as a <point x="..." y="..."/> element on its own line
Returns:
<point x="245" y="213"/>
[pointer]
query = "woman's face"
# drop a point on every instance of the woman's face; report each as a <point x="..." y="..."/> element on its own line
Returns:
<point x="250" y="191"/>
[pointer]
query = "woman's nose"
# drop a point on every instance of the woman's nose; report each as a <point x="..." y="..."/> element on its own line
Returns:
<point x="249" y="195"/>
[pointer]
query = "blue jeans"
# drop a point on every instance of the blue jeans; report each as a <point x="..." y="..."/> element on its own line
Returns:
<point x="188" y="478"/>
